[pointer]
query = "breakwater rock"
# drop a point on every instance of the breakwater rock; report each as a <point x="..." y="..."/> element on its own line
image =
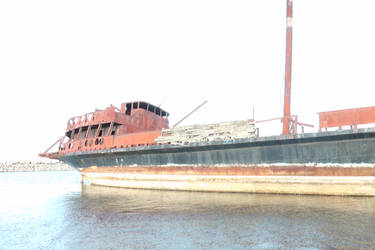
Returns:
<point x="25" y="166"/>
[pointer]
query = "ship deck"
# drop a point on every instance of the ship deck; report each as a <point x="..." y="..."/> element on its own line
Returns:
<point x="346" y="146"/>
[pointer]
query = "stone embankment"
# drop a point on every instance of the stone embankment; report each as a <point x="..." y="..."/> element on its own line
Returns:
<point x="25" y="166"/>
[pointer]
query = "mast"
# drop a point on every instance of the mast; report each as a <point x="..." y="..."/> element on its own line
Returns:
<point x="288" y="67"/>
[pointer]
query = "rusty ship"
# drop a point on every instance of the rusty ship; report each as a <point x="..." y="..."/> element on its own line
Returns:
<point x="134" y="147"/>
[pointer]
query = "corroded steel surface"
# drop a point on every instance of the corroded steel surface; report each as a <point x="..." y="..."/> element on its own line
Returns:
<point x="318" y="185"/>
<point x="111" y="142"/>
<point x="327" y="147"/>
<point x="135" y="124"/>
<point x="137" y="119"/>
<point x="288" y="67"/>
<point x="346" y="117"/>
<point x="250" y="170"/>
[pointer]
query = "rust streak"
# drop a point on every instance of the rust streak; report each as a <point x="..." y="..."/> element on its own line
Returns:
<point x="239" y="170"/>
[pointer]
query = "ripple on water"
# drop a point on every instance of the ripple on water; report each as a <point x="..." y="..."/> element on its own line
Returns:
<point x="53" y="210"/>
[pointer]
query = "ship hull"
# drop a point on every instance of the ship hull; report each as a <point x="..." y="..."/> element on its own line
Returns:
<point x="331" y="163"/>
<point x="353" y="186"/>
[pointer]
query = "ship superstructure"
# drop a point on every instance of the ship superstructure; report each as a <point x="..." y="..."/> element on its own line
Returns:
<point x="134" y="124"/>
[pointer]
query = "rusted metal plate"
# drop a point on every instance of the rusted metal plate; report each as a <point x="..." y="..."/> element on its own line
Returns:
<point x="328" y="147"/>
<point x="250" y="170"/>
<point x="136" y="124"/>
<point x="346" y="117"/>
<point x="288" y="67"/>
<point x="317" y="185"/>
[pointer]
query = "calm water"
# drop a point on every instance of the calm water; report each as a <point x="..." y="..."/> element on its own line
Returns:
<point x="53" y="210"/>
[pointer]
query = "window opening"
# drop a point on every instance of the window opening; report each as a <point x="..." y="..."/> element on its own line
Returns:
<point x="76" y="133"/>
<point x="128" y="109"/>
<point x="143" y="105"/>
<point x="83" y="132"/>
<point x="93" y="131"/>
<point x="151" y="108"/>
<point x="104" y="130"/>
<point x="69" y="134"/>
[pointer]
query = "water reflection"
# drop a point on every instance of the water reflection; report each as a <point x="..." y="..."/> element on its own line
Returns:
<point x="229" y="220"/>
<point x="138" y="200"/>
<point x="56" y="211"/>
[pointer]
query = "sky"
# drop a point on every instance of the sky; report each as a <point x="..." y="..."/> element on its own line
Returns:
<point x="60" y="59"/>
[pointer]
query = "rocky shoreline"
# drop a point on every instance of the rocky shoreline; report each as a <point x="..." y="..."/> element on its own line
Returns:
<point x="29" y="166"/>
